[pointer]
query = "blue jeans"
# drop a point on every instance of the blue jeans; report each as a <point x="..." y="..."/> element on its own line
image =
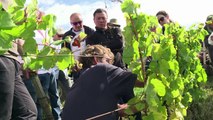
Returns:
<point x="49" y="84"/>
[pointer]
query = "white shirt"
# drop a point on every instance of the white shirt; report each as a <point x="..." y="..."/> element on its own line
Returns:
<point x="75" y="49"/>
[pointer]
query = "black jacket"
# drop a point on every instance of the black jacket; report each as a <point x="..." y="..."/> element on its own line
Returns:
<point x="98" y="91"/>
<point x="89" y="31"/>
<point x="208" y="46"/>
<point x="111" y="38"/>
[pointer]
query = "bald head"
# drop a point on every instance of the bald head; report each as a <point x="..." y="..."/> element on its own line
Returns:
<point x="76" y="21"/>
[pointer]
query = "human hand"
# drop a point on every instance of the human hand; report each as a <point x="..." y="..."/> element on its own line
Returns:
<point x="122" y="111"/>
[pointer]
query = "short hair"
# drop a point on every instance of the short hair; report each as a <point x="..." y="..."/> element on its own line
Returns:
<point x="87" y="57"/>
<point x="162" y="12"/>
<point x="99" y="10"/>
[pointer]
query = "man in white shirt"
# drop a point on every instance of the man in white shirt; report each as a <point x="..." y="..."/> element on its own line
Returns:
<point x="77" y="44"/>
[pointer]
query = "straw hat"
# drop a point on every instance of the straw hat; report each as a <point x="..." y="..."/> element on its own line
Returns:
<point x="114" y="22"/>
<point x="60" y="31"/>
<point x="210" y="17"/>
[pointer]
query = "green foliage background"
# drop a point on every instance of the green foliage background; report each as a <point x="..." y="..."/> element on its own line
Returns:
<point x="175" y="74"/>
<point x="19" y="22"/>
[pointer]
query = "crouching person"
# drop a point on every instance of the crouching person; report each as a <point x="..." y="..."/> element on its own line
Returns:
<point x="99" y="87"/>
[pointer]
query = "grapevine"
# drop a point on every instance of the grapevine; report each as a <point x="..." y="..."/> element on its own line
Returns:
<point x="174" y="75"/>
<point x="19" y="22"/>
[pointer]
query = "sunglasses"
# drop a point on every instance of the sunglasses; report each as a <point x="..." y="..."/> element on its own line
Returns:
<point x="76" y="23"/>
<point x="161" y="19"/>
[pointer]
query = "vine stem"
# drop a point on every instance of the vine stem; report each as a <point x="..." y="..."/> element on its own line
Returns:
<point x="104" y="114"/>
<point x="116" y="110"/>
<point x="140" y="54"/>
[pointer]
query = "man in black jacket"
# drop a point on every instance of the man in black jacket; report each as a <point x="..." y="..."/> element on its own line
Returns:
<point x="111" y="37"/>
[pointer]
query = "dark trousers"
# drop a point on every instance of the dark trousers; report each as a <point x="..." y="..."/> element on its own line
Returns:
<point x="15" y="101"/>
<point x="64" y="82"/>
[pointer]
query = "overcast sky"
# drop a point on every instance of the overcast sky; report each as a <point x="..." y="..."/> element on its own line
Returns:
<point x="185" y="12"/>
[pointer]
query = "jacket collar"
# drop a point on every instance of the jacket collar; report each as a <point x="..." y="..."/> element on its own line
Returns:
<point x="100" y="29"/>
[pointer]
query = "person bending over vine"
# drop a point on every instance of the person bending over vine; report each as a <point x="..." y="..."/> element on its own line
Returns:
<point x="99" y="87"/>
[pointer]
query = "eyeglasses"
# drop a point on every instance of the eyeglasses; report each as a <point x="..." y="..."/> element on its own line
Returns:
<point x="76" y="23"/>
<point x="161" y="19"/>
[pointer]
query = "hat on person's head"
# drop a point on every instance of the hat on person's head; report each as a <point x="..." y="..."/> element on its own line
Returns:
<point x="114" y="21"/>
<point x="60" y="31"/>
<point x="210" y="17"/>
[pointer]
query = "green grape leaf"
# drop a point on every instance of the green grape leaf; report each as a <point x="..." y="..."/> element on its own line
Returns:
<point x="30" y="46"/>
<point x="45" y="51"/>
<point x="128" y="6"/>
<point x="159" y="87"/>
<point x="151" y="97"/>
<point x="128" y="54"/>
<point x="65" y="59"/>
<point x="26" y="30"/>
<point x="19" y="16"/>
<point x="20" y="2"/>
<point x="32" y="8"/>
<point x="156" y="53"/>
<point x="128" y="111"/>
<point x="48" y="62"/>
<point x="82" y="35"/>
<point x="164" y="67"/>
<point x="47" y="22"/>
<point x="133" y="100"/>
<point x="159" y="112"/>
<point x="6" y="21"/>
<point x="67" y="39"/>
<point x="136" y="50"/>
<point x="35" y="64"/>
<point x="5" y="42"/>
<point x="139" y="106"/>
<point x="149" y="117"/>
<point x="175" y="93"/>
<point x="187" y="98"/>
<point x="64" y="63"/>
